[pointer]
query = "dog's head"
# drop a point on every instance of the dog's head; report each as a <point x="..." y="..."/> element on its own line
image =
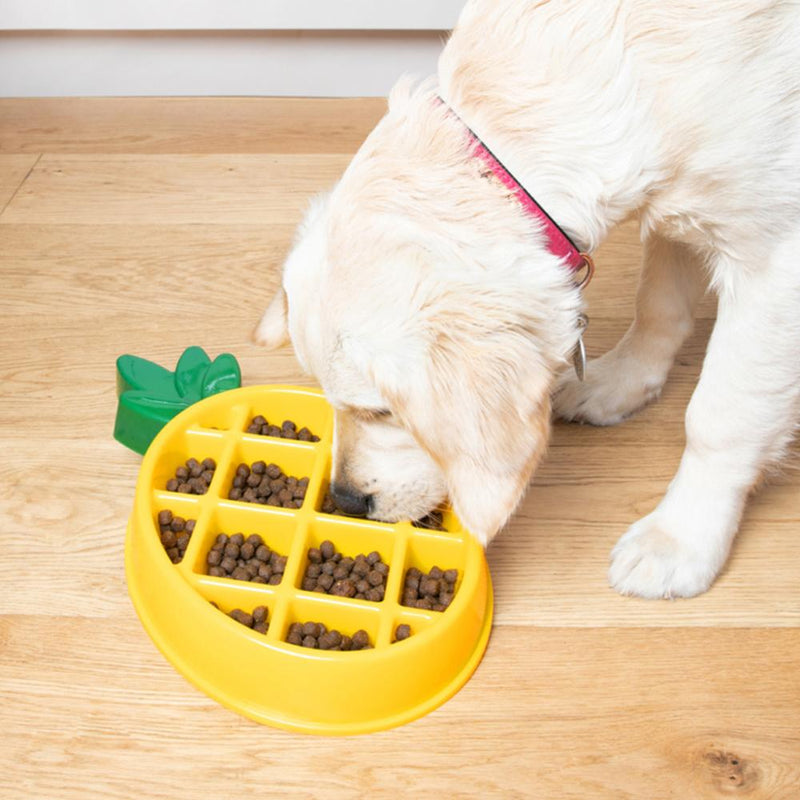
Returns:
<point x="424" y="302"/>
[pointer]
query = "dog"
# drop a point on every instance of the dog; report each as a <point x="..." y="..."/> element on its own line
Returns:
<point x="428" y="303"/>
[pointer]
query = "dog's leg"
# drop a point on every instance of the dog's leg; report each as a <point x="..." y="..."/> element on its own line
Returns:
<point x="632" y="374"/>
<point x="741" y="417"/>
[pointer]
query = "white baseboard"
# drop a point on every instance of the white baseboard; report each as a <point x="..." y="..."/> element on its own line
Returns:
<point x="91" y="15"/>
<point x="306" y="63"/>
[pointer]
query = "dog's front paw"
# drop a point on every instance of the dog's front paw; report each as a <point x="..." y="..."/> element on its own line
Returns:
<point x="615" y="386"/>
<point x="650" y="561"/>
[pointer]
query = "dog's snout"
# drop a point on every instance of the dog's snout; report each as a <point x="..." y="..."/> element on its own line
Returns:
<point x="350" y="500"/>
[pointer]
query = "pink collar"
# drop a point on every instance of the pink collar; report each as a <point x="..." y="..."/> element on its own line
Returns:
<point x="558" y="242"/>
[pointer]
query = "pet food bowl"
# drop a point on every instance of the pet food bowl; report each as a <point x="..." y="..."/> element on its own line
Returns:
<point x="262" y="676"/>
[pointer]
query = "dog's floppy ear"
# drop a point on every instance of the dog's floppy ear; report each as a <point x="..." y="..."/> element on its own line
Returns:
<point x="273" y="330"/>
<point x="482" y="408"/>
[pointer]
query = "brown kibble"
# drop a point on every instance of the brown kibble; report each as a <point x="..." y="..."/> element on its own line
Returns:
<point x="275" y="579"/>
<point x="265" y="571"/>
<point x="309" y="641"/>
<point x="374" y="595"/>
<point x="241" y="574"/>
<point x="327" y="549"/>
<point x="228" y="564"/>
<point x="325" y="582"/>
<point x="182" y="541"/>
<point x="435" y="573"/>
<point x="177" y="524"/>
<point x="182" y="474"/>
<point x="360" y="639"/>
<point x="260" y="614"/>
<point x="168" y="538"/>
<point x="273" y="471"/>
<point x="314" y="555"/>
<point x="374" y="578"/>
<point x="174" y="555"/>
<point x="424" y="602"/>
<point x="328" y="506"/>
<point x="209" y="463"/>
<point x="172" y="485"/>
<point x="263" y="553"/>
<point x="216" y="572"/>
<point x="450" y="575"/>
<point x="445" y="598"/>
<point x="259" y="420"/>
<point x="285" y="495"/>
<point x="189" y="526"/>
<point x="260" y="627"/>
<point x="243" y="470"/>
<point x="308" y="584"/>
<point x="232" y="549"/>
<point x="247" y="551"/>
<point x="313" y="571"/>
<point x="373" y="558"/>
<point x="340" y="572"/>
<point x="278" y="563"/>
<point x="402" y="632"/>
<point x="249" y="495"/>
<point x="430" y="587"/>
<point x="164" y="517"/>
<point x="214" y="558"/>
<point x="192" y="464"/>
<point x="343" y="588"/>
<point x="242" y="616"/>
<point x="294" y="638"/>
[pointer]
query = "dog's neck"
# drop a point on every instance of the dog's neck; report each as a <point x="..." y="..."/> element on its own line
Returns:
<point x="580" y="192"/>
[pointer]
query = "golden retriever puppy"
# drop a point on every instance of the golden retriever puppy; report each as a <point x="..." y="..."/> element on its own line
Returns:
<point x="428" y="302"/>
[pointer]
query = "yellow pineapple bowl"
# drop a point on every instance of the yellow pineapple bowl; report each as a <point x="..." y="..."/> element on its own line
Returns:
<point x="409" y="659"/>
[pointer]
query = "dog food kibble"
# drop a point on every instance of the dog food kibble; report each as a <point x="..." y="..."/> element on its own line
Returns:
<point x="402" y="632"/>
<point x="267" y="484"/>
<point x="329" y="572"/>
<point x="316" y="636"/>
<point x="257" y="620"/>
<point x="193" y="477"/>
<point x="288" y="430"/>
<point x="245" y="559"/>
<point x="175" y="534"/>
<point x="432" y="591"/>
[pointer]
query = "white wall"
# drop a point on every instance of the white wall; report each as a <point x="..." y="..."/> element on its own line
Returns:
<point x="218" y="47"/>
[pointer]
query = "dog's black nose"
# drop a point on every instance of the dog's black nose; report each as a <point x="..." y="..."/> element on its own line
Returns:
<point x="350" y="501"/>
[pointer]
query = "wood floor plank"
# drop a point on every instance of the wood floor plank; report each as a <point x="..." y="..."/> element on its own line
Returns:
<point x="186" y="124"/>
<point x="158" y="189"/>
<point x="550" y="713"/>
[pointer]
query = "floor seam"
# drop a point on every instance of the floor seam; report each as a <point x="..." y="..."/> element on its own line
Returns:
<point x="20" y="185"/>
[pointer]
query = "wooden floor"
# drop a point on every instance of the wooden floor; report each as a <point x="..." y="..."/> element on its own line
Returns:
<point x="145" y="226"/>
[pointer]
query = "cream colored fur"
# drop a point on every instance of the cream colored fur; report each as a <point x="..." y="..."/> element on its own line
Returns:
<point x="423" y="300"/>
